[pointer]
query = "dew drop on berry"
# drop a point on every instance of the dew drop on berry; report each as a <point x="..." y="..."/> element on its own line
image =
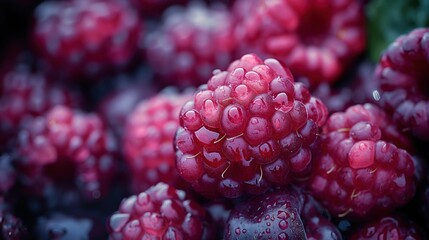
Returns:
<point x="362" y="154"/>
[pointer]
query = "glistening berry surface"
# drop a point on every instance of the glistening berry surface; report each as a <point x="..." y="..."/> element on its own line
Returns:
<point x="283" y="214"/>
<point x="161" y="212"/>
<point x="359" y="171"/>
<point x="249" y="129"/>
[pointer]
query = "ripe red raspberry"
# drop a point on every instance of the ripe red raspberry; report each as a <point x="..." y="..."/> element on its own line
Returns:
<point x="85" y="38"/>
<point x="360" y="170"/>
<point x="285" y="214"/>
<point x="161" y="212"/>
<point x="316" y="39"/>
<point x="247" y="130"/>
<point x="191" y="43"/>
<point x="402" y="75"/>
<point x="25" y="94"/>
<point x="148" y="140"/>
<point x="389" y="227"/>
<point x="68" y="148"/>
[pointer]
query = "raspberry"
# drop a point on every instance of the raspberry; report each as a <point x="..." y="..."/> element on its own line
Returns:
<point x="82" y="38"/>
<point x="401" y="73"/>
<point x="148" y="140"/>
<point x="26" y="94"/>
<point x="68" y="147"/>
<point x="360" y="170"/>
<point x="191" y="43"/>
<point x="11" y="227"/>
<point x="247" y="130"/>
<point x="285" y="214"/>
<point x="161" y="212"/>
<point x="317" y="40"/>
<point x="389" y="227"/>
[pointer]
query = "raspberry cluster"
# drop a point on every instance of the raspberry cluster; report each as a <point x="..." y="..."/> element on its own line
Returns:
<point x="82" y="38"/>
<point x="360" y="171"/>
<point x="248" y="129"/>
<point x="68" y="147"/>
<point x="214" y="119"/>
<point x="160" y="212"/>
<point x="317" y="39"/>
<point x="148" y="140"/>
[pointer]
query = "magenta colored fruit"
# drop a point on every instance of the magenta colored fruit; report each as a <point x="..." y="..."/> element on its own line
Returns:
<point x="249" y="129"/>
<point x="161" y="212"/>
<point x="86" y="38"/>
<point x="148" y="140"/>
<point x="192" y="42"/>
<point x="317" y="40"/>
<point x="402" y="76"/>
<point x="361" y="170"/>
<point x="68" y="147"/>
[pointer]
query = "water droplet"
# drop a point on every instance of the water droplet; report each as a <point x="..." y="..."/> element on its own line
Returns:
<point x="283" y="225"/>
<point x="282" y="236"/>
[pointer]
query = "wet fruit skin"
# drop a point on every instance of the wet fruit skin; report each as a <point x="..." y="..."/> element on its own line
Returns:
<point x="283" y="214"/>
<point x="161" y="212"/>
<point x="249" y="129"/>
<point x="360" y="170"/>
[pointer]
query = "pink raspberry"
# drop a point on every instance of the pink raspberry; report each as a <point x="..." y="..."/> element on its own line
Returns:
<point x="161" y="212"/>
<point x="361" y="169"/>
<point x="67" y="147"/>
<point x="316" y="39"/>
<point x="191" y="43"/>
<point x="85" y="38"/>
<point x="249" y="129"/>
<point x="148" y="140"/>
<point x="402" y="75"/>
<point x="25" y="94"/>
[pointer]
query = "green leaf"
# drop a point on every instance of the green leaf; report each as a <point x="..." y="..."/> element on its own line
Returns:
<point x="388" y="19"/>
